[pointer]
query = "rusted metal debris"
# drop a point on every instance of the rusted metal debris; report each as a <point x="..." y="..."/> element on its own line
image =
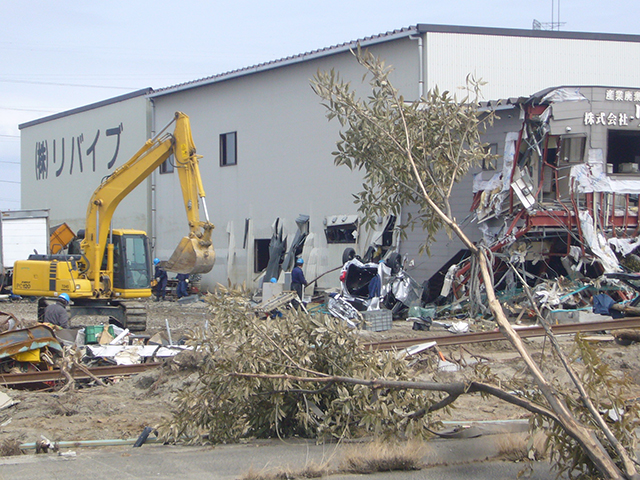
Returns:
<point x="14" y="342"/>
<point x="52" y="376"/>
<point x="6" y="321"/>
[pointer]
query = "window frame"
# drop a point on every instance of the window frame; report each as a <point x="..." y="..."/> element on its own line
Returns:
<point x="572" y="143"/>
<point x="168" y="166"/>
<point x="619" y="135"/>
<point x="225" y="153"/>
<point x="490" y="160"/>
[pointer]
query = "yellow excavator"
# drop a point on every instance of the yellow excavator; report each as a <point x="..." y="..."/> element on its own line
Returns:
<point x="109" y="270"/>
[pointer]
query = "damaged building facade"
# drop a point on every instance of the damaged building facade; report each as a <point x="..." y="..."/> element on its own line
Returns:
<point x="269" y="175"/>
<point x="563" y="199"/>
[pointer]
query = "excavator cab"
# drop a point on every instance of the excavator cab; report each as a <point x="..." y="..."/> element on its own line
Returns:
<point x="131" y="263"/>
<point x="131" y="274"/>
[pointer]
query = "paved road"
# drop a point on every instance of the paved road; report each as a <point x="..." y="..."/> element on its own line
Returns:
<point x="459" y="459"/>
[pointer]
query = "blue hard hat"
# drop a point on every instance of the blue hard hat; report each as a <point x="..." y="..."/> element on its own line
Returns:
<point x="300" y="261"/>
<point x="273" y="280"/>
<point x="156" y="261"/>
<point x="65" y="296"/>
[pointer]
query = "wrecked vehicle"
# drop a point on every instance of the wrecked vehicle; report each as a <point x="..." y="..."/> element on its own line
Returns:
<point x="386" y="284"/>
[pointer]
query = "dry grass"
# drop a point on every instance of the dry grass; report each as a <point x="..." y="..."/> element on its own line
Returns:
<point x="10" y="447"/>
<point x="373" y="457"/>
<point x="310" y="471"/>
<point x="383" y="457"/>
<point x="519" y="447"/>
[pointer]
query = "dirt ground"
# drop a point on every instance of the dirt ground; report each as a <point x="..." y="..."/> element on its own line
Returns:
<point x="122" y="409"/>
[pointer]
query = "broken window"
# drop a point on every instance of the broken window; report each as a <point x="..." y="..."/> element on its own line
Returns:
<point x="490" y="161"/>
<point x="623" y="151"/>
<point x="167" y="165"/>
<point x="261" y="254"/>
<point x="228" y="149"/>
<point x="561" y="152"/>
<point x="572" y="148"/>
<point x="341" y="228"/>
<point x="387" y="235"/>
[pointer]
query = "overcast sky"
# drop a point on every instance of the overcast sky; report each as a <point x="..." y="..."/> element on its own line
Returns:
<point x="59" y="55"/>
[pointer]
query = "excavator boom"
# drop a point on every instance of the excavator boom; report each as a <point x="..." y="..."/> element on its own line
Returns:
<point x="195" y="253"/>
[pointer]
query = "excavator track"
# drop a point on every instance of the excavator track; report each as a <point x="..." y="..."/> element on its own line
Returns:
<point x="131" y="314"/>
<point x="135" y="314"/>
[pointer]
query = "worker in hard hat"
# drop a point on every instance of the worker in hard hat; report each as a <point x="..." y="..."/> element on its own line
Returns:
<point x="160" y="279"/>
<point x="182" y="289"/>
<point x="56" y="312"/>
<point x="298" y="282"/>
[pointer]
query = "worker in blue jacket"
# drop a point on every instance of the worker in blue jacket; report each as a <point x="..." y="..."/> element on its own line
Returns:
<point x="182" y="290"/>
<point x="161" y="277"/>
<point x="56" y="312"/>
<point x="297" y="278"/>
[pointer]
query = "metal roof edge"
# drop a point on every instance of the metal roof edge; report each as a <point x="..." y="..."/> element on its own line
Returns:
<point x="506" y="103"/>
<point x="102" y="103"/>
<point x="540" y="94"/>
<point x="292" y="60"/>
<point x="515" y="32"/>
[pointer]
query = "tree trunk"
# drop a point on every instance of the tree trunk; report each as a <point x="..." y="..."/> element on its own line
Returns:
<point x="587" y="440"/>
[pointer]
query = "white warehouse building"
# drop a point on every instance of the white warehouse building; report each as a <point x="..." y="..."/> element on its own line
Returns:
<point x="266" y="143"/>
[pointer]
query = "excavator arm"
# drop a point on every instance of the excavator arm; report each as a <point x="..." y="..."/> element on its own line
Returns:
<point x="195" y="253"/>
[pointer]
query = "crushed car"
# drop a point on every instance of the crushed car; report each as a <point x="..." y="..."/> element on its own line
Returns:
<point x="371" y="286"/>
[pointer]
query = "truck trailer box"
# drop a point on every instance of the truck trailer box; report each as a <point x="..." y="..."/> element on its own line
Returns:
<point x="22" y="232"/>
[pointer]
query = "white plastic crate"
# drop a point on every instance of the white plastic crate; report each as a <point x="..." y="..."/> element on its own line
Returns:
<point x="377" y="320"/>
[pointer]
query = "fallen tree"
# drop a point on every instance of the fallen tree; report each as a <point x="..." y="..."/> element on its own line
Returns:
<point x="302" y="375"/>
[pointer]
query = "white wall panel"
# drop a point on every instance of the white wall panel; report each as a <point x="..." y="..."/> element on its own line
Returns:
<point x="520" y="66"/>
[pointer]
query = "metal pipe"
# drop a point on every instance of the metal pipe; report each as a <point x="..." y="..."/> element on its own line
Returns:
<point x="204" y="207"/>
<point x="166" y="321"/>
<point x="420" y="65"/>
<point x="92" y="443"/>
<point x="153" y="206"/>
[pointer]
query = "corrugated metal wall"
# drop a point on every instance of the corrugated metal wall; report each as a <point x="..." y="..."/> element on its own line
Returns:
<point x="64" y="160"/>
<point x="520" y="66"/>
<point x="285" y="164"/>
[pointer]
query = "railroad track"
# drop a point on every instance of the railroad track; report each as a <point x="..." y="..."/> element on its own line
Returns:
<point x="524" y="332"/>
<point x="13" y="379"/>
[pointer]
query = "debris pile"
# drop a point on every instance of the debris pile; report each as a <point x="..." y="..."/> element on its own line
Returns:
<point x="559" y="215"/>
<point x="45" y="356"/>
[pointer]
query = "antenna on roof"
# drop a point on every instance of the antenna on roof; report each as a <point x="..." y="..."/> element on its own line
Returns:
<point x="554" y="24"/>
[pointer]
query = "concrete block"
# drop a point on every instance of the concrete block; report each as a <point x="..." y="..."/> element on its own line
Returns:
<point x="270" y="290"/>
<point x="576" y="316"/>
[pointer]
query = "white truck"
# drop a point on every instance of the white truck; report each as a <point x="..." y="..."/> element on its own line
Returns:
<point x="22" y="232"/>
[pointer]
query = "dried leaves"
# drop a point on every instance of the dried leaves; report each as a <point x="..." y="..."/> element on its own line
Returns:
<point x="249" y="382"/>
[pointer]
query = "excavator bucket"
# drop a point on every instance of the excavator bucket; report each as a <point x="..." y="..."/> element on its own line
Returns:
<point x="191" y="256"/>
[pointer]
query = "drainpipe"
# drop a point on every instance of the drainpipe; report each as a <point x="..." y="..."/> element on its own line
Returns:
<point x="420" y="96"/>
<point x="153" y="185"/>
<point x="421" y="65"/>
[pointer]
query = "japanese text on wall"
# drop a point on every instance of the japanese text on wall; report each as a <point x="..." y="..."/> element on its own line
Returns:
<point x="73" y="157"/>
<point x="616" y="119"/>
